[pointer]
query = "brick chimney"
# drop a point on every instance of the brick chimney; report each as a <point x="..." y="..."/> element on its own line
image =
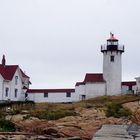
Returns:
<point x="3" y="60"/>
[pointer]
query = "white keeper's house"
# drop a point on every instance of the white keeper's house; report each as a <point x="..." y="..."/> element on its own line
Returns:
<point x="14" y="83"/>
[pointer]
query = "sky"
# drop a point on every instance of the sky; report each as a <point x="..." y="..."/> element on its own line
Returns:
<point x="56" y="42"/>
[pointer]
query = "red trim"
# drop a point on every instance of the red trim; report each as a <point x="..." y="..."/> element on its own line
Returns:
<point x="23" y="74"/>
<point x="129" y="83"/>
<point x="49" y="90"/>
<point x="79" y="83"/>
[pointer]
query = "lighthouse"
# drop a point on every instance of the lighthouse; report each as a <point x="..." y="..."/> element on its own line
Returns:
<point x="112" y="65"/>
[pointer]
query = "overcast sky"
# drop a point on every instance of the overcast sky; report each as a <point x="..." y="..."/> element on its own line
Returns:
<point x="57" y="41"/>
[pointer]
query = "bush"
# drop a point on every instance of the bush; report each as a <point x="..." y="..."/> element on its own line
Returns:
<point x="2" y="115"/>
<point x="16" y="111"/>
<point x="117" y="110"/>
<point x="53" y="115"/>
<point x="6" y="126"/>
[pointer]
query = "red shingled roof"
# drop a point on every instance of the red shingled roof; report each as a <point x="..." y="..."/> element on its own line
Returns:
<point x="94" y="77"/>
<point x="8" y="71"/>
<point x="23" y="74"/>
<point x="49" y="90"/>
<point x="129" y="83"/>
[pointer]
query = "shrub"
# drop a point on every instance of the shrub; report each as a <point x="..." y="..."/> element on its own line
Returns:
<point x="2" y="115"/>
<point x="6" y="126"/>
<point x="117" y="110"/>
<point x="16" y="111"/>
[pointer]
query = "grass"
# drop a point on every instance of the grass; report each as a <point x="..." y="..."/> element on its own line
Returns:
<point x="101" y="101"/>
<point x="53" y="111"/>
<point x="51" y="114"/>
<point x="104" y="100"/>
<point x="6" y="126"/>
<point x="115" y="109"/>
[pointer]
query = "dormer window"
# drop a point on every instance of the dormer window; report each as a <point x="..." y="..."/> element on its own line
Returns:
<point x="16" y="80"/>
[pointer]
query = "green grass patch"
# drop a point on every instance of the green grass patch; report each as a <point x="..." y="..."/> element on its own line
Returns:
<point x="115" y="109"/>
<point x="6" y="126"/>
<point x="53" y="114"/>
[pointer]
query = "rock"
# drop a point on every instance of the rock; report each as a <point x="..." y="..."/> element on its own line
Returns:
<point x="72" y="132"/>
<point x="137" y="138"/>
<point x="70" y="119"/>
<point x="42" y="138"/>
<point x="15" y="118"/>
<point x="2" y="137"/>
<point x="74" y="138"/>
<point x="50" y="131"/>
<point x="83" y="126"/>
<point x="68" y="124"/>
<point x="113" y="132"/>
<point x="17" y="137"/>
<point x="25" y="111"/>
<point x="133" y="130"/>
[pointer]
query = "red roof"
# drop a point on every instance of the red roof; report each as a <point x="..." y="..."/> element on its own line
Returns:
<point x="23" y="74"/>
<point x="49" y="90"/>
<point x="129" y="83"/>
<point x="112" y="38"/>
<point x="8" y="71"/>
<point x="94" y="77"/>
<point x="79" y="83"/>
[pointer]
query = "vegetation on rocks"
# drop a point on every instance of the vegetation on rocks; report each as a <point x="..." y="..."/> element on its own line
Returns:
<point x="53" y="114"/>
<point x="115" y="109"/>
<point x="65" y="120"/>
<point x="6" y="126"/>
<point x="103" y="101"/>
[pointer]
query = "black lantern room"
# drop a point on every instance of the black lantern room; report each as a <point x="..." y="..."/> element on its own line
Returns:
<point x="112" y="45"/>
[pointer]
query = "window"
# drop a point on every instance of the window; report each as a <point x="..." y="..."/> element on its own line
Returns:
<point x="16" y="80"/>
<point x="26" y="96"/>
<point x="68" y="94"/>
<point x="130" y="87"/>
<point x="45" y="95"/>
<point x="6" y="91"/>
<point x="83" y="97"/>
<point x="112" y="58"/>
<point x="16" y="91"/>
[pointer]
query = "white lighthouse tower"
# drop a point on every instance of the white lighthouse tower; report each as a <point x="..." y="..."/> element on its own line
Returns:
<point x="112" y="66"/>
